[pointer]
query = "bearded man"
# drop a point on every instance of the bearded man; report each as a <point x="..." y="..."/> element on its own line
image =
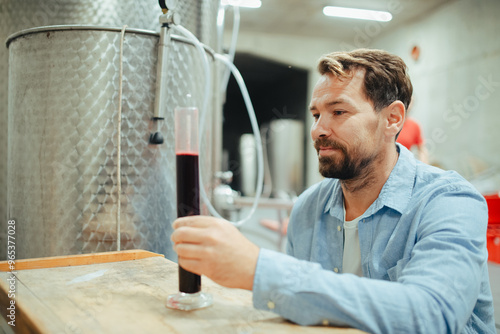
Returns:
<point x="385" y="243"/>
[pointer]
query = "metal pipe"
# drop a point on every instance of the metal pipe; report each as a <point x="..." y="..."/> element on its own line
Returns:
<point x="161" y="71"/>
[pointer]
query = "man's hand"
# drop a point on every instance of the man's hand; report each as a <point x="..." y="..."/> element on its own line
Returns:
<point x="215" y="248"/>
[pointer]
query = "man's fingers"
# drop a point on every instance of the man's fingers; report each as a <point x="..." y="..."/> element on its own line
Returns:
<point x="188" y="251"/>
<point x="187" y="234"/>
<point x="195" y="221"/>
<point x="192" y="221"/>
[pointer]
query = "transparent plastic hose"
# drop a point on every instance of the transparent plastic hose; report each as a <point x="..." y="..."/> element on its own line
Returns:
<point x="256" y="132"/>
<point x="206" y="70"/>
<point x="251" y="114"/>
<point x="234" y="39"/>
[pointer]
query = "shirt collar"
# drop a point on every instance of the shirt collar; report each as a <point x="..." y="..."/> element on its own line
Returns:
<point x="397" y="190"/>
<point x="335" y="202"/>
<point x="395" y="193"/>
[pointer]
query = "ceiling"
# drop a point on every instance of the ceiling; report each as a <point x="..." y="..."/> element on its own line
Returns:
<point x="305" y="17"/>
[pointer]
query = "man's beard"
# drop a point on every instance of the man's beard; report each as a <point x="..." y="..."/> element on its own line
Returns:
<point x="346" y="167"/>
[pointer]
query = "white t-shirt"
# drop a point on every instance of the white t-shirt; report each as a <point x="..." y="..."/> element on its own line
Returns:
<point x="352" y="252"/>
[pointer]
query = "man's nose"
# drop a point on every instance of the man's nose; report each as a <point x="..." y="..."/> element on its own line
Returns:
<point x="320" y="128"/>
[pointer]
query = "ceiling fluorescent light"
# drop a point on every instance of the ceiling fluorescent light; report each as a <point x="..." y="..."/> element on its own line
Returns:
<point x="354" y="13"/>
<point x="243" y="3"/>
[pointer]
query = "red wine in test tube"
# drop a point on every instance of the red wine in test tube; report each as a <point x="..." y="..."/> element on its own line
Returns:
<point x="188" y="204"/>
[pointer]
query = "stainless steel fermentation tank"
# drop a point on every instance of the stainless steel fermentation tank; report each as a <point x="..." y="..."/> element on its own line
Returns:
<point x="63" y="134"/>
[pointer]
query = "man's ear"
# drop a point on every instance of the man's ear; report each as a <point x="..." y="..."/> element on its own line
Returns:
<point x="394" y="116"/>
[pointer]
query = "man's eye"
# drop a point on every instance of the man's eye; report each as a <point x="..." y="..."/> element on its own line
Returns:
<point x="338" y="112"/>
<point x="316" y="116"/>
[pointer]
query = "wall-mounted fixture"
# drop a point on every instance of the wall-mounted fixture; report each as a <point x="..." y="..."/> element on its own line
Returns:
<point x="355" y="13"/>
<point x="242" y="3"/>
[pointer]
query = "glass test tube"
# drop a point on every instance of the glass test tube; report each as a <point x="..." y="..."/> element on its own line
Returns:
<point x="188" y="202"/>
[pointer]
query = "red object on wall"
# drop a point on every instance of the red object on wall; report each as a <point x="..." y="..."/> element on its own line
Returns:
<point x="493" y="232"/>
<point x="493" y="242"/>
<point x="493" y="202"/>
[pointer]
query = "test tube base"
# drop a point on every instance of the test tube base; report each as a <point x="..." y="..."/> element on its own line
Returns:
<point x="189" y="301"/>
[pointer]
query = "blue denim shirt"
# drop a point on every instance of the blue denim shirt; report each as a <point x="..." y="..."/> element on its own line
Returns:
<point x="423" y="255"/>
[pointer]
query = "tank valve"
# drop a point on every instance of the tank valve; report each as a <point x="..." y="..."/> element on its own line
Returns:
<point x="169" y="16"/>
<point x="224" y="195"/>
<point x="156" y="138"/>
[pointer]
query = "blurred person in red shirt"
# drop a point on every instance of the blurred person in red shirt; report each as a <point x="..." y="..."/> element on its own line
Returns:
<point x="412" y="138"/>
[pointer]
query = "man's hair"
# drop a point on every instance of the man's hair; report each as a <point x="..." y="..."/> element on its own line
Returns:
<point x="386" y="75"/>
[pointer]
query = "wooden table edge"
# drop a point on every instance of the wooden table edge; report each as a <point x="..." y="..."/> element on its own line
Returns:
<point x="76" y="260"/>
<point x="22" y="322"/>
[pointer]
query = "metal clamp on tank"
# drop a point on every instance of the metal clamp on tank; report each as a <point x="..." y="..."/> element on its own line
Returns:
<point x="168" y="17"/>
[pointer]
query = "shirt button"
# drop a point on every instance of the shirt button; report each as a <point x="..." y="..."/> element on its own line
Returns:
<point x="271" y="305"/>
<point x="325" y="322"/>
<point x="339" y="228"/>
<point x="336" y="270"/>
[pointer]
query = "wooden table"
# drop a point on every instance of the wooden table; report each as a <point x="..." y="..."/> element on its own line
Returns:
<point x="125" y="292"/>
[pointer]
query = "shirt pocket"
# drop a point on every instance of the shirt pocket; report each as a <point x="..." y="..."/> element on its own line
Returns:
<point x="395" y="272"/>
